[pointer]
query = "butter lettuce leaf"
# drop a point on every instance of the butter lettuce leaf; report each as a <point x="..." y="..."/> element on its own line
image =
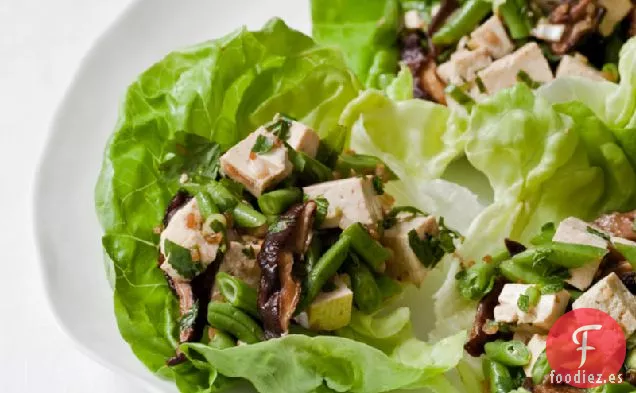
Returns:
<point x="365" y="31"/>
<point x="177" y="117"/>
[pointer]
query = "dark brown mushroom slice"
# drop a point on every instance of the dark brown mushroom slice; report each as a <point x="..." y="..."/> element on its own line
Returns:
<point x="431" y="84"/>
<point x="478" y="336"/>
<point x="193" y="295"/>
<point x="618" y="224"/>
<point x="580" y="17"/>
<point x="280" y="284"/>
<point x="446" y="9"/>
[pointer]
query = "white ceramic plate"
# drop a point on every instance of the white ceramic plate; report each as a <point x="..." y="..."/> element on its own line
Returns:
<point x="67" y="229"/>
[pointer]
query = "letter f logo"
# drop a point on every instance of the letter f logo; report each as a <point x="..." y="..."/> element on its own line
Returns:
<point x="584" y="347"/>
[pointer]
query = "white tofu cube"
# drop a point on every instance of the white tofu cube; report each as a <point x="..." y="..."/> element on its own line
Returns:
<point x="575" y="231"/>
<point x="612" y="297"/>
<point x="404" y="264"/>
<point x="493" y="37"/>
<point x="350" y="200"/>
<point x="463" y="65"/>
<point x="303" y="138"/>
<point x="503" y="72"/>
<point x="574" y="66"/>
<point x="536" y="346"/>
<point x="541" y="316"/>
<point x="240" y="261"/>
<point x="615" y="11"/>
<point x="256" y="171"/>
<point x="413" y="20"/>
<point x="185" y="230"/>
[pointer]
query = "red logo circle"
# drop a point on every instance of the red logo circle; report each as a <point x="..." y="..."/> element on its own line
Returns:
<point x="586" y="348"/>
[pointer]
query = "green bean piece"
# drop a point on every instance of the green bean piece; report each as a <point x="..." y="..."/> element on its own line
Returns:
<point x="366" y="294"/>
<point x="226" y="317"/>
<point x="325" y="268"/>
<point x="459" y="96"/>
<point x="498" y="376"/>
<point x="207" y="207"/>
<point x="312" y="256"/>
<point x="238" y="293"/>
<point x="246" y="216"/>
<point x="389" y="287"/>
<point x="221" y="196"/>
<point x="515" y="16"/>
<point x="518" y="272"/>
<point x="571" y="255"/>
<point x="309" y="170"/>
<point x="478" y="280"/>
<point x="221" y="340"/>
<point x="360" y="164"/>
<point x="508" y="353"/>
<point x="371" y="251"/>
<point x="278" y="201"/>
<point x="540" y="369"/>
<point x="463" y="22"/>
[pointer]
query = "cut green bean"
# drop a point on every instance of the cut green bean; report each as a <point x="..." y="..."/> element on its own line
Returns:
<point x="207" y="207"/>
<point x="312" y="256"/>
<point x="309" y="170"/>
<point x="540" y="369"/>
<point x="360" y="164"/>
<point x="246" y="216"/>
<point x="366" y="294"/>
<point x="325" y="268"/>
<point x="498" y="377"/>
<point x="221" y="196"/>
<point x="508" y="353"/>
<point x="278" y="201"/>
<point x="371" y="251"/>
<point x="237" y="293"/>
<point x="389" y="288"/>
<point x="226" y="317"/>
<point x="462" y="22"/>
<point x="221" y="340"/>
<point x="518" y="272"/>
<point x="515" y="16"/>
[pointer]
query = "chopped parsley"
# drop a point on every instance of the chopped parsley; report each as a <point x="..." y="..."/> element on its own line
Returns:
<point x="529" y="299"/>
<point x="280" y="127"/>
<point x="523" y="77"/>
<point x="432" y="248"/>
<point x="180" y="259"/>
<point x="391" y="218"/>
<point x="378" y="186"/>
<point x="322" y="206"/>
<point x="262" y="145"/>
<point x="281" y="224"/>
<point x="189" y="318"/>
<point x="249" y="252"/>
<point x="545" y="236"/>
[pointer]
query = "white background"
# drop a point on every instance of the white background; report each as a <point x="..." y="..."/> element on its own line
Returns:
<point x="41" y="45"/>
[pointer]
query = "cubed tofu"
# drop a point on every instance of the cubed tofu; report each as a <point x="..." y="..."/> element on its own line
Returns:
<point x="612" y="297"/>
<point x="503" y="72"/>
<point x="350" y="200"/>
<point x="493" y="37"/>
<point x="256" y="171"/>
<point x="413" y="20"/>
<point x="240" y="261"/>
<point x="185" y="230"/>
<point x="330" y="310"/>
<point x="304" y="139"/>
<point x="463" y="65"/>
<point x="575" y="231"/>
<point x="404" y="265"/>
<point x="542" y="316"/>
<point x="536" y="346"/>
<point x="574" y="66"/>
<point x="615" y="12"/>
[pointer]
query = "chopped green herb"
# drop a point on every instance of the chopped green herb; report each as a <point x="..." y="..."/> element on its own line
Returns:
<point x="249" y="252"/>
<point x="262" y="145"/>
<point x="281" y="224"/>
<point x="189" y="318"/>
<point x="280" y="127"/>
<point x="551" y="287"/>
<point x="523" y="77"/>
<point x="432" y="248"/>
<point x="547" y="233"/>
<point x="199" y="161"/>
<point x="598" y="233"/>
<point x="378" y="185"/>
<point x="180" y="259"/>
<point x="529" y="299"/>
<point x="322" y="206"/>
<point x="391" y="218"/>
<point x="480" y="85"/>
